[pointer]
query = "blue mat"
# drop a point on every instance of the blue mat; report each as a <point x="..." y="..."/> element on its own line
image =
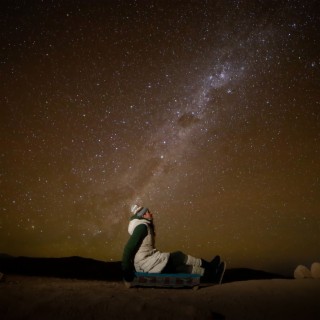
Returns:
<point x="169" y="280"/>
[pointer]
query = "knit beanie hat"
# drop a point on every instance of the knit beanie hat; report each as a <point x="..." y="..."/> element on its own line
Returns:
<point x="138" y="210"/>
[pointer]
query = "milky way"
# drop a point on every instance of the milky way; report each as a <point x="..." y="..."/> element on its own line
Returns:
<point x="207" y="112"/>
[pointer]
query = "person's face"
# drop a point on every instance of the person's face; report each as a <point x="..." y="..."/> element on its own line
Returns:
<point x="148" y="215"/>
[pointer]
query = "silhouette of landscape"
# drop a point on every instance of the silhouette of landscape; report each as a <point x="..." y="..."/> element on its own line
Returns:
<point x="75" y="287"/>
<point x="90" y="269"/>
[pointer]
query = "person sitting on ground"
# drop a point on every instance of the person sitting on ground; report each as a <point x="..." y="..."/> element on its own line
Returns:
<point x="141" y="255"/>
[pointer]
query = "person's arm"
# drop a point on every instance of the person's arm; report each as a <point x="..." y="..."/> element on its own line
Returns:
<point x="130" y="250"/>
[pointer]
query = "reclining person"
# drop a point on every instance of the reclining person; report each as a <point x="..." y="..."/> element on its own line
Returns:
<point x="141" y="255"/>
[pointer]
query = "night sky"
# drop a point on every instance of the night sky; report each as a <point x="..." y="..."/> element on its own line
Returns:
<point x="207" y="112"/>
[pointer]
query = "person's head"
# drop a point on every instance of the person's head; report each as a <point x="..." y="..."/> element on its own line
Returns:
<point x="148" y="215"/>
<point x="141" y="212"/>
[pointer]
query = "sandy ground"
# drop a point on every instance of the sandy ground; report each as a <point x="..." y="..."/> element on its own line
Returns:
<point x="23" y="297"/>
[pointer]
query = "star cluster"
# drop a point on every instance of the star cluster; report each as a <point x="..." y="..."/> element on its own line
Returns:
<point x="207" y="112"/>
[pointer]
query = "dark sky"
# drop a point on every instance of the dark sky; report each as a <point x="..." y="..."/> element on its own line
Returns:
<point x="207" y="112"/>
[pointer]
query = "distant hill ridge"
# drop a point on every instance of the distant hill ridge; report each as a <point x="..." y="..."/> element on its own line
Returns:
<point x="86" y="268"/>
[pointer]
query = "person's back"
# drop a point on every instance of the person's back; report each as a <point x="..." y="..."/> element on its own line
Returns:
<point x="147" y="258"/>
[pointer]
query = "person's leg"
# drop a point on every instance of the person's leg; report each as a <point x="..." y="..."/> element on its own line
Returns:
<point x="208" y="270"/>
<point x="213" y="264"/>
<point x="176" y="260"/>
<point x="181" y="263"/>
<point x="211" y="269"/>
<point x="192" y="261"/>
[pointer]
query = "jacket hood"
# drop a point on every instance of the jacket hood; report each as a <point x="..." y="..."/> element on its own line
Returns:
<point x="134" y="222"/>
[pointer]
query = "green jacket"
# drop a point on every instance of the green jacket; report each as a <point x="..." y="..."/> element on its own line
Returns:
<point x="132" y="246"/>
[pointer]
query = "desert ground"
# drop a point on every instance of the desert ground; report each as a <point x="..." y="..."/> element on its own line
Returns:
<point x="33" y="297"/>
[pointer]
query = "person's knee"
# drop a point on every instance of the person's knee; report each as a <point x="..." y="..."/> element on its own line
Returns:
<point x="178" y="257"/>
